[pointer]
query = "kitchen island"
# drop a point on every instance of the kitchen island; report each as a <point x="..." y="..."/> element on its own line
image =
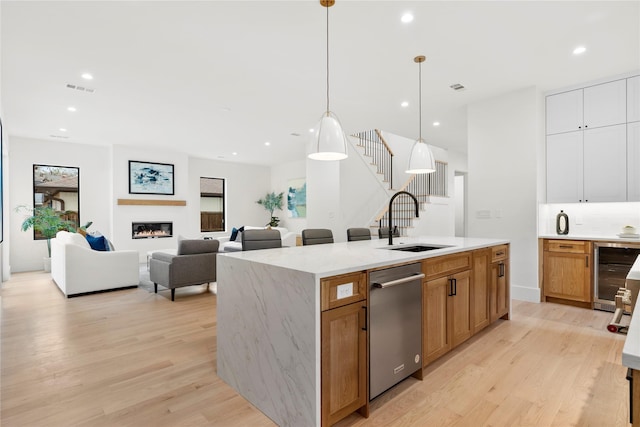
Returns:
<point x="270" y="312"/>
<point x="631" y="349"/>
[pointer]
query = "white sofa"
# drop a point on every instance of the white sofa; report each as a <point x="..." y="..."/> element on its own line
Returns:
<point x="288" y="239"/>
<point x="77" y="269"/>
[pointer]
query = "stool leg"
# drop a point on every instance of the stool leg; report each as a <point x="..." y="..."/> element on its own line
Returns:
<point x="155" y="288"/>
<point x="173" y="294"/>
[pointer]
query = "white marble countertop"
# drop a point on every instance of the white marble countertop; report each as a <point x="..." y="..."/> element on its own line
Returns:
<point x="338" y="258"/>
<point x="631" y="349"/>
<point x="596" y="238"/>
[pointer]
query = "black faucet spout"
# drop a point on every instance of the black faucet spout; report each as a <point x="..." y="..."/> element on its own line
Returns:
<point x="415" y="201"/>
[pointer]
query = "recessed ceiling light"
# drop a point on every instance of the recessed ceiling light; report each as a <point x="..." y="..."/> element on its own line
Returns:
<point x="579" y="50"/>
<point x="62" y="130"/>
<point x="72" y="109"/>
<point x="87" y="76"/>
<point x="406" y="18"/>
<point x="234" y="153"/>
<point x="404" y="104"/>
<point x="267" y="143"/>
<point x="225" y="109"/>
<point x="311" y="130"/>
<point x="436" y="123"/>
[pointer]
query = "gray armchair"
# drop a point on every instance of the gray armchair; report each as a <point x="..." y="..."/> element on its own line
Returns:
<point x="194" y="264"/>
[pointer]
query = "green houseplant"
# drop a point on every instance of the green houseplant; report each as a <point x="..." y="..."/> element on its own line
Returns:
<point x="271" y="202"/>
<point x="46" y="221"/>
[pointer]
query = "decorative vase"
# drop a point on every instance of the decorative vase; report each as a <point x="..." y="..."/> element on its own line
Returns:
<point x="562" y="223"/>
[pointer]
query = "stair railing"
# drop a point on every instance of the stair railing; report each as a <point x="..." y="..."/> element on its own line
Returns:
<point x="377" y="148"/>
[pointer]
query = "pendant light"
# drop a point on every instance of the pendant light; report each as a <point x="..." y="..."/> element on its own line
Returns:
<point x="329" y="140"/>
<point x="421" y="158"/>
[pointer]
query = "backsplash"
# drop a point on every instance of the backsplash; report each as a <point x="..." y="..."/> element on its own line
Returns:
<point x="589" y="219"/>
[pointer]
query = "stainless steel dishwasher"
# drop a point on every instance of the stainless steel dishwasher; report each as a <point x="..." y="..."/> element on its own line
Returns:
<point x="395" y="326"/>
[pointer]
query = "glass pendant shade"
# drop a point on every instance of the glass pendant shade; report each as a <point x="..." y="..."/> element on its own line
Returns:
<point x="329" y="140"/>
<point x="421" y="158"/>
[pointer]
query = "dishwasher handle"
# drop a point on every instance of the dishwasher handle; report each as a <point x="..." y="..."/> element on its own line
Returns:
<point x="399" y="281"/>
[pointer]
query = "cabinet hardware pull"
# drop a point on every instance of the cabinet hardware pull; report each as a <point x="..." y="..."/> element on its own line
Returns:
<point x="366" y="326"/>
<point x="565" y="246"/>
<point x="501" y="270"/>
<point x="399" y="281"/>
<point x="586" y="260"/>
<point x="455" y="287"/>
<point x="450" y="287"/>
<point x="499" y="253"/>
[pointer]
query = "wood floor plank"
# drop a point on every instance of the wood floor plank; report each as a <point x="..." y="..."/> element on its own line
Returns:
<point x="134" y="358"/>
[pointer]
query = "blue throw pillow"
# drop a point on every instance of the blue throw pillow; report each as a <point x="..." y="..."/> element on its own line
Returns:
<point x="97" y="243"/>
<point x="234" y="234"/>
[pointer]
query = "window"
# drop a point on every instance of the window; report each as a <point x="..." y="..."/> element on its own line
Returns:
<point x="57" y="187"/>
<point x="212" y="204"/>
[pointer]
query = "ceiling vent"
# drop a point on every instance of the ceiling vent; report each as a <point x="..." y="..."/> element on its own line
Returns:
<point x="295" y="134"/>
<point x="80" y="88"/>
<point x="457" y="86"/>
<point x="59" y="136"/>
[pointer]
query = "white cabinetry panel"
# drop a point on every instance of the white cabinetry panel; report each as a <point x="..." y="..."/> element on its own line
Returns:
<point x="605" y="164"/>
<point x="564" y="167"/>
<point x="633" y="99"/>
<point x="605" y="104"/>
<point x="564" y="112"/>
<point x="633" y="162"/>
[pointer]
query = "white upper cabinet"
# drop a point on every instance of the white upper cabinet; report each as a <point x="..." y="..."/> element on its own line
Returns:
<point x="564" y="112"/>
<point x="594" y="106"/>
<point x="605" y="164"/>
<point x="564" y="168"/>
<point x="633" y="99"/>
<point x="605" y="104"/>
<point x="633" y="162"/>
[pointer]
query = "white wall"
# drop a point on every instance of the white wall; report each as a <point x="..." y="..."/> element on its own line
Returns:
<point x="590" y="219"/>
<point x="101" y="186"/>
<point x="95" y="176"/>
<point x="504" y="140"/>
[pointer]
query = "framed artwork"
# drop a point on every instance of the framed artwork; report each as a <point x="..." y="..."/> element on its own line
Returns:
<point x="150" y="178"/>
<point x="297" y="198"/>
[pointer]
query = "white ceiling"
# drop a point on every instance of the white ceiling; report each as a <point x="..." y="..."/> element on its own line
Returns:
<point x="215" y="77"/>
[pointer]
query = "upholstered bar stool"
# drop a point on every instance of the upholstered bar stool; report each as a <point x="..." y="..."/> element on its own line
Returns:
<point x="358" y="234"/>
<point x="316" y="236"/>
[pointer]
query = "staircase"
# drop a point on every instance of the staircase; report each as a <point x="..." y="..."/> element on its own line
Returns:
<point x="422" y="186"/>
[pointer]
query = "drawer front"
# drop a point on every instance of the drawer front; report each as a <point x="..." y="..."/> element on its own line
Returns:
<point x="341" y="290"/>
<point x="448" y="264"/>
<point x="567" y="246"/>
<point x="499" y="253"/>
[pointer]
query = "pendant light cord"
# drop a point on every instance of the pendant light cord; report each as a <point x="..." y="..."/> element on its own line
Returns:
<point x="420" y="100"/>
<point x="327" y="59"/>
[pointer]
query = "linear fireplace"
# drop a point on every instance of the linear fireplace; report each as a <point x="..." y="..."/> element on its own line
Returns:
<point x="151" y="230"/>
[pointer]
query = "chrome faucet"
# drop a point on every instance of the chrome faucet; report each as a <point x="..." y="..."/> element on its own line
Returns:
<point x="390" y="212"/>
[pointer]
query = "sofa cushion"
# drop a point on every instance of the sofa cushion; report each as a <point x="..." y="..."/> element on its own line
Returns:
<point x="74" y="239"/>
<point x="97" y="243"/>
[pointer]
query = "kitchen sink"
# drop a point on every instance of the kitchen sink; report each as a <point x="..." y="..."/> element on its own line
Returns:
<point x="416" y="248"/>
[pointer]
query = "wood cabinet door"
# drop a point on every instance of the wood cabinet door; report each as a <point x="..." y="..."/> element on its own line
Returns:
<point x="567" y="276"/>
<point x="480" y="290"/>
<point x="460" y="317"/>
<point x="344" y="362"/>
<point x="435" y="325"/>
<point x="499" y="297"/>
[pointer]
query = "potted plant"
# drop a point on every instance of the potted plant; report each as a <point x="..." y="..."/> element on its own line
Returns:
<point x="46" y="221"/>
<point x="271" y="202"/>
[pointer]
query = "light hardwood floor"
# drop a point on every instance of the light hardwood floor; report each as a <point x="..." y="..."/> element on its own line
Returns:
<point x="133" y="358"/>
